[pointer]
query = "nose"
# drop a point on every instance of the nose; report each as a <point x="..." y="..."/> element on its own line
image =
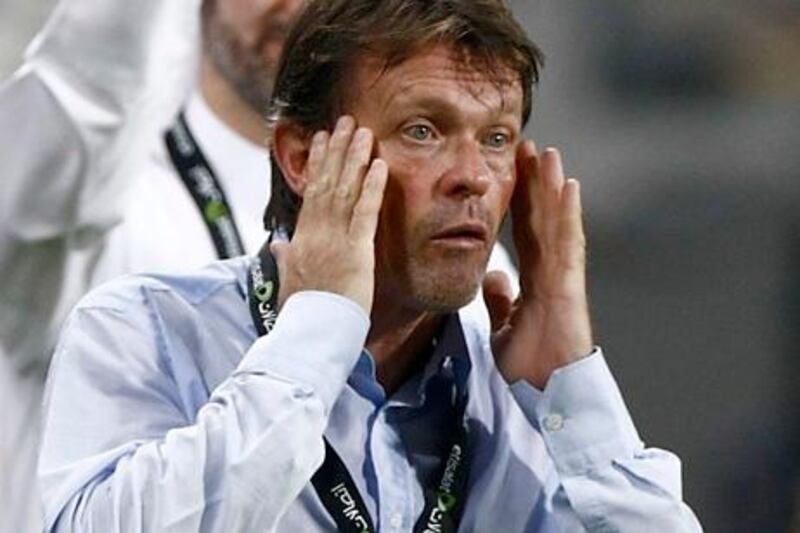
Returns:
<point x="468" y="173"/>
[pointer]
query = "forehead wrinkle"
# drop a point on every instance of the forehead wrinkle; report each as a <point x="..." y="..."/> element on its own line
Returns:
<point x="415" y="80"/>
<point x="486" y="92"/>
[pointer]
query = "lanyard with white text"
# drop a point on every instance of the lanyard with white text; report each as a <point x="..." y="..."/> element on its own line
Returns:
<point x="202" y="183"/>
<point x="332" y="482"/>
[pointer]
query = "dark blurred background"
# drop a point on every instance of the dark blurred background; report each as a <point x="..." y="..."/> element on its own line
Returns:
<point x="682" y="120"/>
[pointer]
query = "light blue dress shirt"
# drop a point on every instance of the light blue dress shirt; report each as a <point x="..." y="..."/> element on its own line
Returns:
<point x="165" y="413"/>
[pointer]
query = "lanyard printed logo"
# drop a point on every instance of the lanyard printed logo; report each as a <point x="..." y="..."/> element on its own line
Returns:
<point x="350" y="509"/>
<point x="206" y="191"/>
<point x="265" y="296"/>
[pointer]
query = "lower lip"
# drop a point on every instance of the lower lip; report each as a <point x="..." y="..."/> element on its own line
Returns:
<point x="459" y="243"/>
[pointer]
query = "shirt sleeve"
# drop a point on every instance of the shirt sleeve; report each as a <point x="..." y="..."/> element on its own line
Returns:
<point x="70" y="118"/>
<point x="119" y="453"/>
<point x="611" y="481"/>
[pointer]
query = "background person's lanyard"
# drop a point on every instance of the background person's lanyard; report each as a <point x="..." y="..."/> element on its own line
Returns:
<point x="335" y="487"/>
<point x="202" y="183"/>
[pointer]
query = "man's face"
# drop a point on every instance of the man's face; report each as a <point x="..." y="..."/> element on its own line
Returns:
<point x="244" y="40"/>
<point x="449" y="135"/>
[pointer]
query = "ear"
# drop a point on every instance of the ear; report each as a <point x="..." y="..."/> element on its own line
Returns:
<point x="291" y="145"/>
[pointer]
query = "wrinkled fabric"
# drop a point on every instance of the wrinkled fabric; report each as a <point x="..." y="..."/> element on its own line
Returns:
<point x="165" y="412"/>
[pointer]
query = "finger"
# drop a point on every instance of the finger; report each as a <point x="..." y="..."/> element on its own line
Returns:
<point x="525" y="214"/>
<point x="551" y="174"/>
<point x="522" y="200"/>
<point x="316" y="154"/>
<point x="316" y="158"/>
<point x="499" y="298"/>
<point x="338" y="146"/>
<point x="355" y="168"/>
<point x="279" y="250"/>
<point x="365" y="213"/>
<point x="571" y="234"/>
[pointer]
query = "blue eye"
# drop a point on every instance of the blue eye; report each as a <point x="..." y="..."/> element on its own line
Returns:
<point x="498" y="140"/>
<point x="420" y="132"/>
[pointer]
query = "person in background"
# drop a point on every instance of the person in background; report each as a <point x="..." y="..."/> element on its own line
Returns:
<point x="93" y="188"/>
<point x="368" y="403"/>
<point x="89" y="188"/>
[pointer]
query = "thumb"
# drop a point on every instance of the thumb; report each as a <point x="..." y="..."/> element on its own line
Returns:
<point x="499" y="298"/>
<point x="280" y="251"/>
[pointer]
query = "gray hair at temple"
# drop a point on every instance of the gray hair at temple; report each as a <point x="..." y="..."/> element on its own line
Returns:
<point x="330" y="36"/>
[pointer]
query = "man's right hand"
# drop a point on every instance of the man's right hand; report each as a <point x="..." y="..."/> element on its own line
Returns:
<point x="333" y="248"/>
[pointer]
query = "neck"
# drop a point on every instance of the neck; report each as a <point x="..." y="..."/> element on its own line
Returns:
<point x="400" y="341"/>
<point x="226" y="103"/>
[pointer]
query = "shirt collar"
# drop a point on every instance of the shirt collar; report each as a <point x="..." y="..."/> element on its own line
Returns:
<point x="242" y="167"/>
<point x="449" y="363"/>
<point x="218" y="140"/>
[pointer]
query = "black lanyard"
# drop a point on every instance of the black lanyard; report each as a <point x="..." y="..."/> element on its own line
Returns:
<point x="202" y="183"/>
<point x="335" y="487"/>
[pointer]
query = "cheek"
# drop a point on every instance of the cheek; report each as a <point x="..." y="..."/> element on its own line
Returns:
<point x="393" y="207"/>
<point x="400" y="160"/>
<point x="503" y="170"/>
<point x="503" y="167"/>
<point x="499" y="196"/>
<point x="411" y="181"/>
<point x="505" y="188"/>
<point x="401" y="203"/>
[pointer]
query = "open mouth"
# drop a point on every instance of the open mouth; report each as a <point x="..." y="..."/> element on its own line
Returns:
<point x="470" y="235"/>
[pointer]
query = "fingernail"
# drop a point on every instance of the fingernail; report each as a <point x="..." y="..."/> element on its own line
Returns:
<point x="320" y="137"/>
<point x="345" y="122"/>
<point x="379" y="164"/>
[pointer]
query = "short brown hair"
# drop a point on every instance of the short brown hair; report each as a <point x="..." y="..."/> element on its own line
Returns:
<point x="330" y="36"/>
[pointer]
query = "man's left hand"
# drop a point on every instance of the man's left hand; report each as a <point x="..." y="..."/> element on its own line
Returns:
<point x="548" y="325"/>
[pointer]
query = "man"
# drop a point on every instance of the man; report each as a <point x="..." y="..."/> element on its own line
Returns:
<point x="367" y="404"/>
<point x="90" y="189"/>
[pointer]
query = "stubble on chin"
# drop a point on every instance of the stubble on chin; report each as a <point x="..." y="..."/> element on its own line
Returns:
<point x="445" y="283"/>
<point x="248" y="71"/>
<point x="437" y="279"/>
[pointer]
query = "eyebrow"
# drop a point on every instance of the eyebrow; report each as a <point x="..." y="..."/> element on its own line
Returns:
<point x="446" y="108"/>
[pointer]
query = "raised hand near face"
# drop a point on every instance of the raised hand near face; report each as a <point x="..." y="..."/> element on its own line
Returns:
<point x="548" y="325"/>
<point x="333" y="245"/>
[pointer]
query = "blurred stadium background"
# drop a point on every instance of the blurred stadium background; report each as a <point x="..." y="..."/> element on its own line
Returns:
<point x="682" y="120"/>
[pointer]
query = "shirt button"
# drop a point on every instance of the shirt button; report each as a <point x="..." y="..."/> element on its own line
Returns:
<point x="396" y="521"/>
<point x="553" y="422"/>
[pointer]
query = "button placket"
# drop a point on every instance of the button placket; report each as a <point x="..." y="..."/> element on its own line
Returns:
<point x="394" y="477"/>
